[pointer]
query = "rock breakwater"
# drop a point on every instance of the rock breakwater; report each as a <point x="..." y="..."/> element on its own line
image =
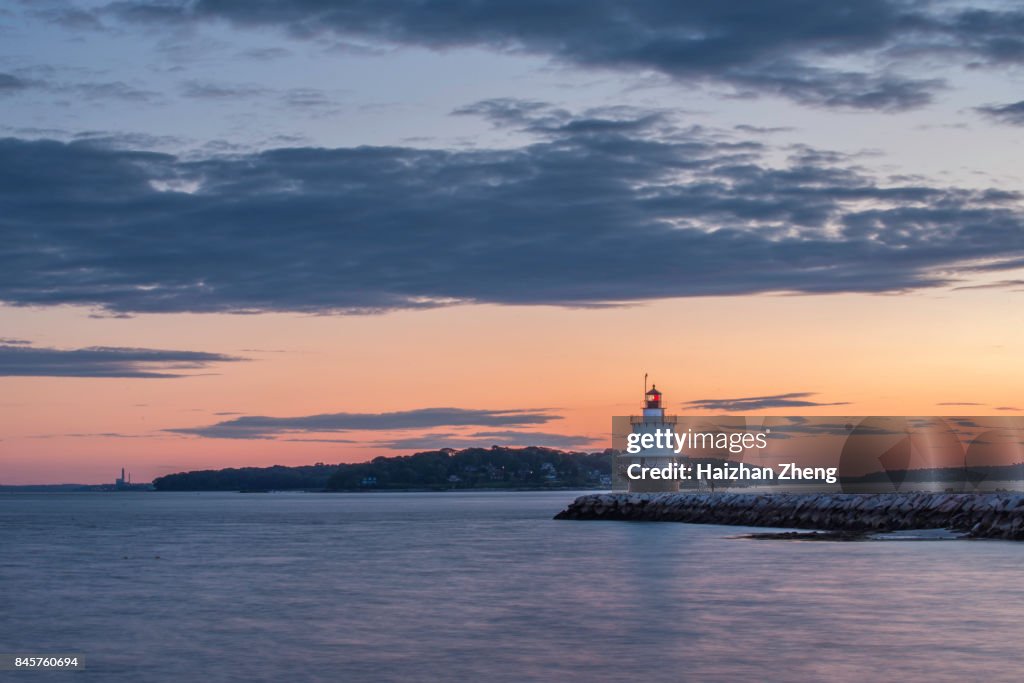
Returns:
<point x="979" y="515"/>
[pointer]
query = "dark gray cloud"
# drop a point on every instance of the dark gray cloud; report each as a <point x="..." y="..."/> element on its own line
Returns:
<point x="486" y="440"/>
<point x="99" y="435"/>
<point x="1012" y="285"/>
<point x="308" y="99"/>
<point x="959" y="403"/>
<point x="206" y="90"/>
<point x="109" y="90"/>
<point x="794" y="427"/>
<point x="798" y="399"/>
<point x="10" y="84"/>
<point x="71" y="18"/>
<point x="762" y="130"/>
<point x="262" y="427"/>
<point x="1012" y="113"/>
<point x="22" y="360"/>
<point x="602" y="208"/>
<point x="779" y="47"/>
<point x="1000" y="264"/>
<point x="266" y="53"/>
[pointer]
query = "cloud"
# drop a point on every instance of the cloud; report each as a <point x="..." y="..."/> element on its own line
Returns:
<point x="486" y="440"/>
<point x="91" y="435"/>
<point x="313" y="440"/>
<point x="798" y="425"/>
<point x="762" y="130"/>
<point x="266" y="53"/>
<point x="1010" y="408"/>
<point x="10" y="84"/>
<point x="601" y="207"/>
<point x="790" y="48"/>
<point x="311" y="99"/>
<point x="261" y="427"/>
<point x="21" y="360"/>
<point x="110" y="90"/>
<point x="1013" y="285"/>
<point x="1012" y="114"/>
<point x="797" y="399"/>
<point x="221" y="91"/>
<point x="71" y="18"/>
<point x="959" y="403"/>
<point x="996" y="264"/>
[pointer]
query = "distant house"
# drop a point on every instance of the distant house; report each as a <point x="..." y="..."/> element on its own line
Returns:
<point x="368" y="481"/>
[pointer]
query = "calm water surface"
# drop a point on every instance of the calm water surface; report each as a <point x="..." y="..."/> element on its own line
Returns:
<point x="483" y="586"/>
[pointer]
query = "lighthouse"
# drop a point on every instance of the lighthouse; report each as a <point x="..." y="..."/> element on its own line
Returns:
<point x="650" y="421"/>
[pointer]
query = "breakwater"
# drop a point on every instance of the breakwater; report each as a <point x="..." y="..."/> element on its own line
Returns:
<point x="979" y="515"/>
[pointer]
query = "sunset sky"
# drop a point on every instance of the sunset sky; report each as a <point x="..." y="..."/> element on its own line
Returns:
<point x="279" y="232"/>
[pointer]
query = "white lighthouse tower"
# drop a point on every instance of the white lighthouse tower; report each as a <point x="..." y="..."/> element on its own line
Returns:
<point x="650" y="421"/>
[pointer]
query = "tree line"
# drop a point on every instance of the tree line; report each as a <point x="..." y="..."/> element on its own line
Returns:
<point x="495" y="467"/>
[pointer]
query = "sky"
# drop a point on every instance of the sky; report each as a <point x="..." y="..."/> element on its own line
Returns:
<point x="285" y="232"/>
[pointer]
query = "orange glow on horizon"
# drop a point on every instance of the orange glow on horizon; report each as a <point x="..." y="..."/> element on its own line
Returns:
<point x="881" y="355"/>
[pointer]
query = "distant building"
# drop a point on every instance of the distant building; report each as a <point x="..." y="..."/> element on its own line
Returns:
<point x="124" y="483"/>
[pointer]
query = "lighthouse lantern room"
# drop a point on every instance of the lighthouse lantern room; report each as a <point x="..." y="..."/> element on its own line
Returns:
<point x="652" y="403"/>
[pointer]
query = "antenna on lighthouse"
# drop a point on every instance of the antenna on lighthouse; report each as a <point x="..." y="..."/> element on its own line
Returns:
<point x="645" y="383"/>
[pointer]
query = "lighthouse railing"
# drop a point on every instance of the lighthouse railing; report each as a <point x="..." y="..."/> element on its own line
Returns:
<point x="640" y="419"/>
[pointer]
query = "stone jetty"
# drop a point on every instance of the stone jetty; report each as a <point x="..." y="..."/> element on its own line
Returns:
<point x="977" y="515"/>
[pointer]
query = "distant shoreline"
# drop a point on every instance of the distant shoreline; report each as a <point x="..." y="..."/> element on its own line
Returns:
<point x="74" y="488"/>
<point x="102" y="488"/>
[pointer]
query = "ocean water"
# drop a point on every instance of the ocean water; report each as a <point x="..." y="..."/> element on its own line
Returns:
<point x="482" y="586"/>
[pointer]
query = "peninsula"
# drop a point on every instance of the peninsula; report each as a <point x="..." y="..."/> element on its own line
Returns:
<point x="498" y="467"/>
